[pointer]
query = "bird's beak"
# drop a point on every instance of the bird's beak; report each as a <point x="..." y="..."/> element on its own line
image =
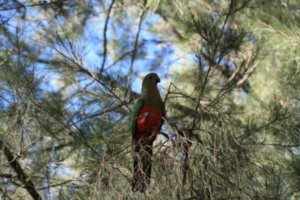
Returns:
<point x="157" y="80"/>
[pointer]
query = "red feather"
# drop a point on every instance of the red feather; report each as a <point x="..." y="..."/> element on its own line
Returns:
<point x="148" y="122"/>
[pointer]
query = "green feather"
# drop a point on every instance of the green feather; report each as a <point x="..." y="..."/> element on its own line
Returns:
<point x="136" y="111"/>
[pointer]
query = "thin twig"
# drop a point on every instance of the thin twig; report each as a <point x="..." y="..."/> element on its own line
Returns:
<point x="56" y="184"/>
<point x="105" y="37"/>
<point x="128" y="91"/>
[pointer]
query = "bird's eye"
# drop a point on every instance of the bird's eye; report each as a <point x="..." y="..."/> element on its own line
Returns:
<point x="150" y="77"/>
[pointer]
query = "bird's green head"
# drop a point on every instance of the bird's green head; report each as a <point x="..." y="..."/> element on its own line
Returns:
<point x="151" y="80"/>
<point x="150" y="91"/>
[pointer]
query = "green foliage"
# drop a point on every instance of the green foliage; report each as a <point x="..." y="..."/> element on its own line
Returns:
<point x="230" y="82"/>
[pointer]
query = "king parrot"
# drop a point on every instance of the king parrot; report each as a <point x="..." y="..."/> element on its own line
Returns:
<point x="148" y="116"/>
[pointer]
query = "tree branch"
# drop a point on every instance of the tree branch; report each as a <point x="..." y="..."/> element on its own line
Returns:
<point x="105" y="37"/>
<point x="20" y="5"/>
<point x="128" y="91"/>
<point x="29" y="186"/>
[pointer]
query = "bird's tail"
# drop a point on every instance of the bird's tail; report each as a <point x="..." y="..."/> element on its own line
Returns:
<point x="142" y="164"/>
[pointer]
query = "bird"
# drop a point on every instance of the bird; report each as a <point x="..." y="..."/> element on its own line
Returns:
<point x="148" y="116"/>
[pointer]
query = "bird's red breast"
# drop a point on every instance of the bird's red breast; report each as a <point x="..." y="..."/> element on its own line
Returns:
<point x="149" y="121"/>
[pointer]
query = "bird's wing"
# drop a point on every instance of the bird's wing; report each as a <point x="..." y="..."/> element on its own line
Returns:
<point x="136" y="111"/>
